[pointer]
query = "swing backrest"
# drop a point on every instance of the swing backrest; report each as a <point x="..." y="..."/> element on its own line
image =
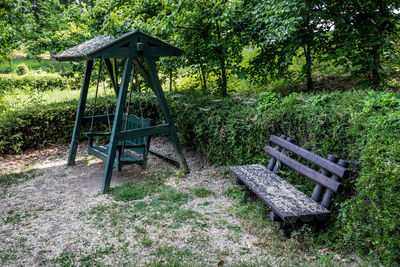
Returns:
<point x="135" y="122"/>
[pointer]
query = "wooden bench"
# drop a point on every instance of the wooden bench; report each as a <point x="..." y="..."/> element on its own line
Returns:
<point x="289" y="205"/>
<point x="133" y="151"/>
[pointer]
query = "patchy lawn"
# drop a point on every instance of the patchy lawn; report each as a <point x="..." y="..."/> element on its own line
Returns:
<point x="51" y="214"/>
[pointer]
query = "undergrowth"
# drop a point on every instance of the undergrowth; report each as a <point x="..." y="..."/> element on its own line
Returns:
<point x="362" y="127"/>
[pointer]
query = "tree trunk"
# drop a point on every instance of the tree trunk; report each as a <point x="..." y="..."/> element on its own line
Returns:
<point x="203" y="80"/>
<point x="307" y="52"/>
<point x="9" y="62"/>
<point x="170" y="80"/>
<point x="222" y="64"/>
<point x="224" y="80"/>
<point x="376" y="67"/>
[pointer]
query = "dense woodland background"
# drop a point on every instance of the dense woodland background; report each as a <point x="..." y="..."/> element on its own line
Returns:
<point x="326" y="73"/>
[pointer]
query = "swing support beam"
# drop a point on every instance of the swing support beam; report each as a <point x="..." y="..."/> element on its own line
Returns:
<point x="147" y="48"/>
<point x="80" y="112"/>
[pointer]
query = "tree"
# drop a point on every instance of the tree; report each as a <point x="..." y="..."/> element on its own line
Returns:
<point x="283" y="28"/>
<point x="10" y="12"/>
<point x="40" y="24"/>
<point x="205" y="30"/>
<point x="364" y="32"/>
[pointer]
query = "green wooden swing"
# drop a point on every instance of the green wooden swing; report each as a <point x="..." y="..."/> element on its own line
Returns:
<point x="130" y="151"/>
<point x="139" y="50"/>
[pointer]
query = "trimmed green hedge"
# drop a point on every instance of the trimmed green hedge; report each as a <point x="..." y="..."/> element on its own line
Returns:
<point x="31" y="81"/>
<point x="362" y="127"/>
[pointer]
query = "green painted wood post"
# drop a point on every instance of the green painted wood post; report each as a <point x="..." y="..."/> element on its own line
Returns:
<point x="112" y="76"/>
<point x="156" y="86"/>
<point x="79" y="112"/>
<point x="117" y="125"/>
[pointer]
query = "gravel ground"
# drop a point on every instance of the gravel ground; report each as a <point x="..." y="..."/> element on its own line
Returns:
<point x="55" y="215"/>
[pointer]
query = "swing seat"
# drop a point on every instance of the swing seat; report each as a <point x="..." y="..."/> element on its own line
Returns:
<point x="134" y="151"/>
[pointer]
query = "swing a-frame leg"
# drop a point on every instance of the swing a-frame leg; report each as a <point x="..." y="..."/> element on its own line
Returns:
<point x="156" y="86"/>
<point x="79" y="113"/>
<point x="117" y="125"/>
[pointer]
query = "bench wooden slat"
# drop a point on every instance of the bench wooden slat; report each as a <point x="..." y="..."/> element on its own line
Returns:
<point x="335" y="186"/>
<point x="284" y="199"/>
<point x="320" y="161"/>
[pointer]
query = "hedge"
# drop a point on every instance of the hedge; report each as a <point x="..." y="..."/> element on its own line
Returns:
<point x="30" y="81"/>
<point x="362" y="127"/>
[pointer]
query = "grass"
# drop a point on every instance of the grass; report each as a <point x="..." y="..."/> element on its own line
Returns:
<point x="32" y="64"/>
<point x="134" y="191"/>
<point x="90" y="259"/>
<point x="9" y="179"/>
<point x="138" y="206"/>
<point x="150" y="200"/>
<point x="299" y="250"/>
<point x="201" y="192"/>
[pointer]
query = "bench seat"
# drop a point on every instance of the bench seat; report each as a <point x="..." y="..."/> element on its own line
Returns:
<point x="289" y="203"/>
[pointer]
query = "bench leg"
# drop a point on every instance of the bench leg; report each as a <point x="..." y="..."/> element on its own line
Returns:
<point x="274" y="217"/>
<point x="247" y="191"/>
<point x="119" y="156"/>
<point x="144" y="165"/>
<point x="285" y="229"/>
<point x="286" y="232"/>
<point x="237" y="181"/>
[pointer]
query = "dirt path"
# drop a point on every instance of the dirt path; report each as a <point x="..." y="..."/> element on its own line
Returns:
<point x="51" y="214"/>
<point x="56" y="215"/>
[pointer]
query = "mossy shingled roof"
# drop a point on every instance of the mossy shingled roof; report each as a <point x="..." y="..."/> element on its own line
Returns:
<point x="86" y="50"/>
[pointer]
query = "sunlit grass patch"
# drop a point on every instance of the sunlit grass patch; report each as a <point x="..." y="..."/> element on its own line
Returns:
<point x="201" y="192"/>
<point x="135" y="191"/>
<point x="9" y="179"/>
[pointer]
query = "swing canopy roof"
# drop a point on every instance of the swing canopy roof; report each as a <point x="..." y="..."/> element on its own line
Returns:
<point x="131" y="44"/>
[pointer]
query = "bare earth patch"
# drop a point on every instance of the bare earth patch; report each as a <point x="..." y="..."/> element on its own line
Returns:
<point x="54" y="214"/>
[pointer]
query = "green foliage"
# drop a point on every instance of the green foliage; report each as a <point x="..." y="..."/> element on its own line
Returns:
<point x="374" y="210"/>
<point x="362" y="127"/>
<point x="34" y="82"/>
<point x="21" y="69"/>
<point x="10" y="12"/>
<point x="283" y="28"/>
<point x="364" y="36"/>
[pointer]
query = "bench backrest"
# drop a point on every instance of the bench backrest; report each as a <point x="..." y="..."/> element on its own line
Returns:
<point x="135" y="122"/>
<point x="328" y="178"/>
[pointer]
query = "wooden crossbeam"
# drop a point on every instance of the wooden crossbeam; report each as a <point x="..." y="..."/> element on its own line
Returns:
<point x="320" y="161"/>
<point x="335" y="186"/>
<point x="145" y="131"/>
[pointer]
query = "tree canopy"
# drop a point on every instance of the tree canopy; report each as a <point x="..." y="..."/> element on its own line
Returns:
<point x="362" y="36"/>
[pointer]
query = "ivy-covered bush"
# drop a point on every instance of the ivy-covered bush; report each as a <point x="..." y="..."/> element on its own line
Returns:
<point x="361" y="127"/>
<point x="32" y="81"/>
<point x="21" y="69"/>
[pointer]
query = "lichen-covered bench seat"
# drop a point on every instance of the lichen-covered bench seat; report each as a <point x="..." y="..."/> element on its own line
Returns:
<point x="283" y="198"/>
<point x="289" y="205"/>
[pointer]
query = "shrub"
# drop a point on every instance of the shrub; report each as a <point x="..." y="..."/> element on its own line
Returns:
<point x="362" y="127"/>
<point x="21" y="69"/>
<point x="30" y="81"/>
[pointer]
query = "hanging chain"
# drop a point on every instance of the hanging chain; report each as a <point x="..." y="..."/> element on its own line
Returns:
<point x="95" y="98"/>
<point x="128" y="107"/>
<point x="108" y="113"/>
<point x="141" y="112"/>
